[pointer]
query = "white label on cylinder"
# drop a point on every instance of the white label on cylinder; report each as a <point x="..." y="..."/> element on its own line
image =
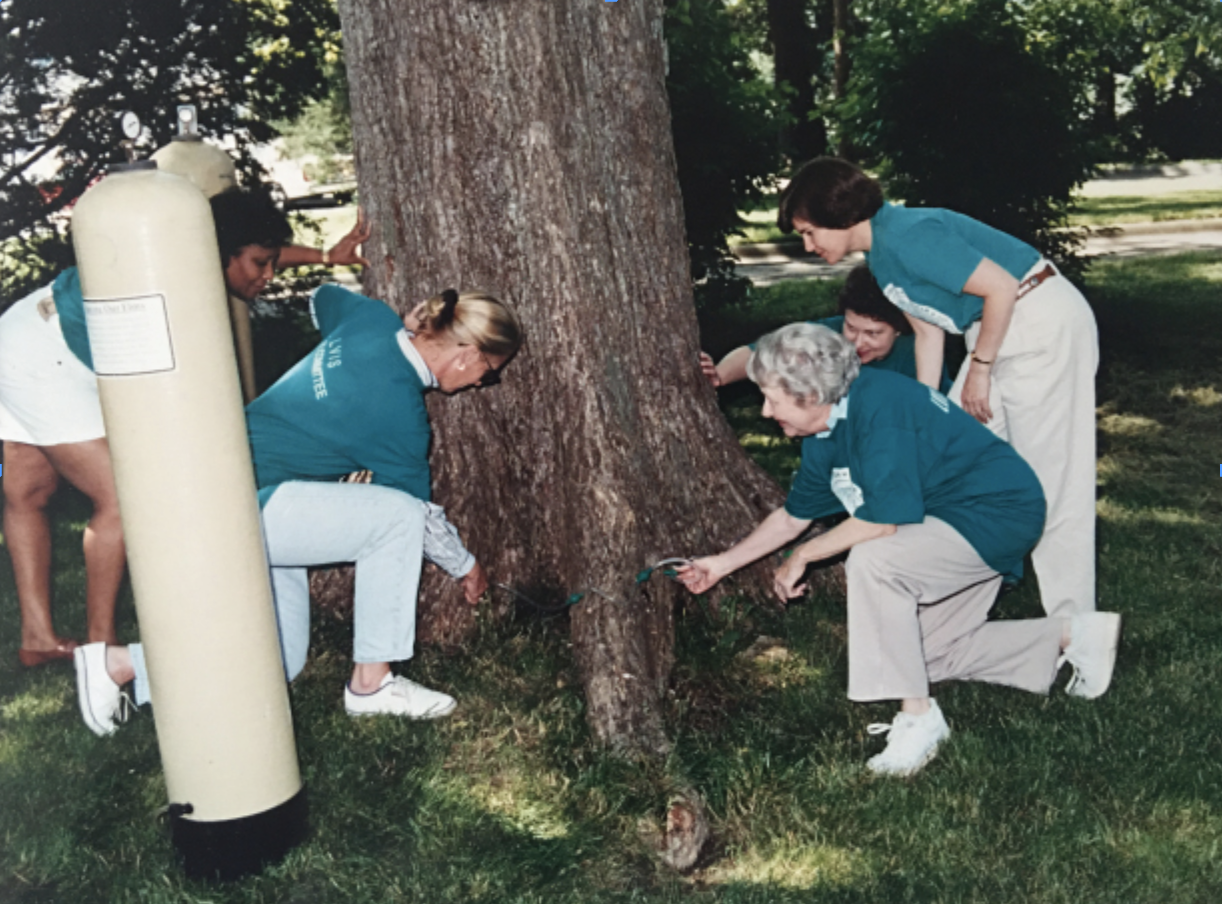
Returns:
<point x="129" y="336"/>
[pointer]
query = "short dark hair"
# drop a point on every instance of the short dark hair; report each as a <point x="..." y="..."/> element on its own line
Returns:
<point x="248" y="218"/>
<point x="831" y="193"/>
<point x="861" y="295"/>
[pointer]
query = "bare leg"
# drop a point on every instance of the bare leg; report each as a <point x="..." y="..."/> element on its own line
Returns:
<point x="29" y="482"/>
<point x="367" y="676"/>
<point x="119" y="664"/>
<point x="87" y="467"/>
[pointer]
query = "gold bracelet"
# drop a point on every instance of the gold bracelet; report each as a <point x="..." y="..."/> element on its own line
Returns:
<point x="981" y="360"/>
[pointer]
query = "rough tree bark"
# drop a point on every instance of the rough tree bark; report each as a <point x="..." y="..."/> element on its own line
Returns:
<point x="525" y="148"/>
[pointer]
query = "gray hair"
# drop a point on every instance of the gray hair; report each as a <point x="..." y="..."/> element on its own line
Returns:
<point x="813" y="364"/>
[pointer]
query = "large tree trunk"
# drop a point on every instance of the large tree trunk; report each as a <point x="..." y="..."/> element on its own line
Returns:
<point x="525" y="148"/>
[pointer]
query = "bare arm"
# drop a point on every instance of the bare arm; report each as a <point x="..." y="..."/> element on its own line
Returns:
<point x="843" y="536"/>
<point x="929" y="342"/>
<point x="733" y="367"/>
<point x="770" y="535"/>
<point x="345" y="252"/>
<point x="730" y="369"/>
<point x="1000" y="293"/>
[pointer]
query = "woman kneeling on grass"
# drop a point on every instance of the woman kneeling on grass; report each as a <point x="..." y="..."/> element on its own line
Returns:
<point x="355" y="403"/>
<point x="939" y="509"/>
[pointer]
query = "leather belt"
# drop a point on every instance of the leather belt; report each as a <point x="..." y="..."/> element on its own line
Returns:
<point x="1033" y="282"/>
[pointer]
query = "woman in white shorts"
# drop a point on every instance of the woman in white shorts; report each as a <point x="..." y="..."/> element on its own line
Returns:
<point x="51" y="420"/>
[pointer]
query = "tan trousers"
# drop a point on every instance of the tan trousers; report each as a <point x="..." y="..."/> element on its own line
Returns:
<point x="1043" y="402"/>
<point x="918" y="607"/>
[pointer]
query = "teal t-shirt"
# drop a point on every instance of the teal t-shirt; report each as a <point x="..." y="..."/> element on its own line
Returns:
<point x="903" y="452"/>
<point x="922" y="258"/>
<point x="353" y="404"/>
<point x="70" y="306"/>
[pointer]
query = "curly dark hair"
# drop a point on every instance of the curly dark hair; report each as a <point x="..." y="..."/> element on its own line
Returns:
<point x="829" y="192"/>
<point x="248" y="218"/>
<point x="861" y="295"/>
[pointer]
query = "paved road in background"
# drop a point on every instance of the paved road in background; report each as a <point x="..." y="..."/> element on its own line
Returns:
<point x="774" y="264"/>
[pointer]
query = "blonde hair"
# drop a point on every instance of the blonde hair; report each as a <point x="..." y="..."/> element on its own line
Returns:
<point x="473" y="318"/>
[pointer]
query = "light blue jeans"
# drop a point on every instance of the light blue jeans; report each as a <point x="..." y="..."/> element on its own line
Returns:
<point x="308" y="523"/>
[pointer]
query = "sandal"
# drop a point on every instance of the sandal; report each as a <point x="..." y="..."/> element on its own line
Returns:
<point x="33" y="658"/>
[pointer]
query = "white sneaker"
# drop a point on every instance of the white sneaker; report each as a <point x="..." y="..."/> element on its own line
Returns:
<point x="914" y="741"/>
<point x="1093" y="638"/>
<point x="396" y="696"/>
<point x="100" y="698"/>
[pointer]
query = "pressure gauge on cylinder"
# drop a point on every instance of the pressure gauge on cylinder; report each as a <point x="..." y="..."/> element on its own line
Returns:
<point x="129" y="124"/>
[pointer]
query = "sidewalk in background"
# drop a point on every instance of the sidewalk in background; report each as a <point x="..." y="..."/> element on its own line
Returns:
<point x="766" y="263"/>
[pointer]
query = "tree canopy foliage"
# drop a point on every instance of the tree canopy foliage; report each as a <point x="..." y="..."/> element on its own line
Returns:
<point x="960" y="111"/>
<point x="68" y="67"/>
<point x="1073" y="82"/>
<point x="1150" y="70"/>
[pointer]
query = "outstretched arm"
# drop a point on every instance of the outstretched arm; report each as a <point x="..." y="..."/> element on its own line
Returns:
<point x="730" y="369"/>
<point x="345" y="252"/>
<point x="770" y="535"/>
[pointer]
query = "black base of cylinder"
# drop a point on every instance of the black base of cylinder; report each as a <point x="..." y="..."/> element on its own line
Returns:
<point x="232" y="848"/>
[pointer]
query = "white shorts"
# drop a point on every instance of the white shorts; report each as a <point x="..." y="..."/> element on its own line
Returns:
<point x="47" y="396"/>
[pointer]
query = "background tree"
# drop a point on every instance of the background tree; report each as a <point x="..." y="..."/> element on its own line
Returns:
<point x="798" y="37"/>
<point x="724" y="120"/>
<point x="1149" y="69"/>
<point x="959" y="110"/>
<point x="68" y="67"/>
<point x="542" y="168"/>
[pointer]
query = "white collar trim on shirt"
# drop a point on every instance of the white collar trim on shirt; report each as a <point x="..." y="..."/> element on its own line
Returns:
<point x="413" y="356"/>
<point x="838" y="413"/>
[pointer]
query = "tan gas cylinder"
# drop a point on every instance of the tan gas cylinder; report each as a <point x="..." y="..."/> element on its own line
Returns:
<point x="210" y="168"/>
<point x="212" y="171"/>
<point x="155" y="306"/>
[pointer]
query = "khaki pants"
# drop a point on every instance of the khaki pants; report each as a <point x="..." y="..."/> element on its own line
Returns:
<point x="917" y="610"/>
<point x="1043" y="402"/>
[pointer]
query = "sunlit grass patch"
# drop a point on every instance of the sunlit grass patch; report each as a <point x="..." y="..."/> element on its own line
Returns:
<point x="792" y="864"/>
<point x="34" y="705"/>
<point x="1184" y="837"/>
<point x="1120" y="514"/>
<point x="776" y="667"/>
<point x="1121" y="209"/>
<point x="1203" y="396"/>
<point x="1128" y="424"/>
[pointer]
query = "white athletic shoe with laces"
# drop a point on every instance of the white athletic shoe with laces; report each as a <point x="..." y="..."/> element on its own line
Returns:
<point x="100" y="698"/>
<point x="912" y="743"/>
<point x="1093" y="639"/>
<point x="396" y="696"/>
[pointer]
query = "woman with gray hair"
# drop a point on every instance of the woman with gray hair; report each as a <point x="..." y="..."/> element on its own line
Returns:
<point x="939" y="509"/>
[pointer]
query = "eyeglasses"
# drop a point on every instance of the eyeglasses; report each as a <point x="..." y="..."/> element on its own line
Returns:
<point x="491" y="376"/>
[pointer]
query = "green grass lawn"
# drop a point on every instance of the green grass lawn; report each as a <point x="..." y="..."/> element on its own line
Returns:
<point x="1048" y="800"/>
<point x="1098" y="211"/>
<point x="1120" y="209"/>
